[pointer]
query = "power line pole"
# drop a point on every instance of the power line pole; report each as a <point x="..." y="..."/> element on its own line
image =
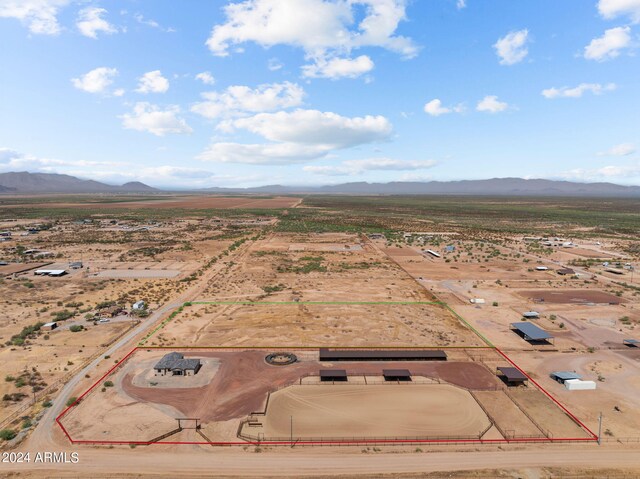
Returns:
<point x="600" y="429"/>
<point x="291" y="417"/>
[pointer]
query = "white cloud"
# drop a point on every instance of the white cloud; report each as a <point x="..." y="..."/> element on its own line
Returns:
<point x="206" y="78"/>
<point x="151" y="23"/>
<point x="152" y="82"/>
<point x="435" y="108"/>
<point x="491" y="104"/>
<point x="335" y="68"/>
<point x="605" y="173"/>
<point x="40" y="16"/>
<point x="357" y="167"/>
<point x="239" y="99"/>
<point x="578" y="91"/>
<point x="297" y="137"/>
<point x="90" y="22"/>
<point x="11" y="160"/>
<point x="262" y="154"/>
<point x="324" y="29"/>
<point x="96" y="81"/>
<point x="614" y="8"/>
<point x="317" y="128"/>
<point x="623" y="149"/>
<point x="119" y="92"/>
<point x="274" y="64"/>
<point x="151" y="118"/>
<point x="608" y="46"/>
<point x="460" y="4"/>
<point x="512" y="47"/>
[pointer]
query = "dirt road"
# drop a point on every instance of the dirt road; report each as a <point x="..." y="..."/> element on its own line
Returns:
<point x="159" y="461"/>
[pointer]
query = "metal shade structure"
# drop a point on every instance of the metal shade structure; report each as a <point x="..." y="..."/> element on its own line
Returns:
<point x="512" y="375"/>
<point x="531" y="332"/>
<point x="333" y="375"/>
<point x="396" y="374"/>
<point x="327" y="354"/>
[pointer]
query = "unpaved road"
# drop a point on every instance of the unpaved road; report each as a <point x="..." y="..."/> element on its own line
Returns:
<point x="285" y="462"/>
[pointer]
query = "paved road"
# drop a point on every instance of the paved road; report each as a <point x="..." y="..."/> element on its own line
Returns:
<point x="43" y="435"/>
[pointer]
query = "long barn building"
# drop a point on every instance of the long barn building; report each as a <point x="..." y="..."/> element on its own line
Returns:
<point x="329" y="355"/>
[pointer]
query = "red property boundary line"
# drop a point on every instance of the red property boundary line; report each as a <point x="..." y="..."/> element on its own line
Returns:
<point x="593" y="438"/>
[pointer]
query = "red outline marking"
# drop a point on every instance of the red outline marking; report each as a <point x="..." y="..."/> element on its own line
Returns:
<point x="593" y="437"/>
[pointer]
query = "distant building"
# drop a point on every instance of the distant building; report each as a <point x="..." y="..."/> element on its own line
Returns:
<point x="49" y="326"/>
<point x="175" y="364"/>
<point x="566" y="272"/>
<point x="76" y="265"/>
<point x="139" y="305"/>
<point x="50" y="272"/>
<point x="449" y="249"/>
<point x="541" y="268"/>
<point x="531" y="314"/>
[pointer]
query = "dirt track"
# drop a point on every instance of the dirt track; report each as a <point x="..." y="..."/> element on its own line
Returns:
<point x="244" y="380"/>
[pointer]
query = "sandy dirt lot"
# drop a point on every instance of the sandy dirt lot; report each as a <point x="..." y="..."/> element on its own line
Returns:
<point x="378" y="411"/>
<point x="571" y="296"/>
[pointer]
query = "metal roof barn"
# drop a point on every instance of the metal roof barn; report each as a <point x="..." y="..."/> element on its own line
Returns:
<point x="333" y="375"/>
<point x="531" y="332"/>
<point x="562" y="376"/>
<point x="396" y="374"/>
<point x="381" y="355"/>
<point x="512" y="375"/>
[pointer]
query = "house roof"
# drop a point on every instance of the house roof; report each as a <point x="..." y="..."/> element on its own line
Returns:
<point x="176" y="361"/>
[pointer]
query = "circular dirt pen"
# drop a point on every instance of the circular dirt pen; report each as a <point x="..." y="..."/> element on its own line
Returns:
<point x="281" y="359"/>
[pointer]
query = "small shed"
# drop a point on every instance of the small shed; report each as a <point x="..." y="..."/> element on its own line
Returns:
<point x="562" y="376"/>
<point x="396" y="374"/>
<point x="541" y="268"/>
<point x="579" y="385"/>
<point x="566" y="272"/>
<point x="531" y="314"/>
<point x="333" y="375"/>
<point x="634" y="343"/>
<point x="477" y="301"/>
<point x="49" y="326"/>
<point x="512" y="376"/>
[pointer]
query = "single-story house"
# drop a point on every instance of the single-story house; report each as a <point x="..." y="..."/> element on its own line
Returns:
<point x="176" y="365"/>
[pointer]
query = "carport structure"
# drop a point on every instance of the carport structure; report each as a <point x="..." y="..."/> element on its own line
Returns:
<point x="634" y="343"/>
<point x="532" y="333"/>
<point x="331" y="375"/>
<point x="512" y="376"/>
<point x="396" y="374"/>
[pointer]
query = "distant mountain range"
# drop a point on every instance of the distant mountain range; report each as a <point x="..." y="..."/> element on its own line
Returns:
<point x="33" y="183"/>
<point x="495" y="186"/>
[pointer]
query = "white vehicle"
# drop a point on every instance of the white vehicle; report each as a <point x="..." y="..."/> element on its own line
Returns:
<point x="104" y="320"/>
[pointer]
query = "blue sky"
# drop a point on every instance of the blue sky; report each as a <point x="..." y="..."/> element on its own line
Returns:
<point x="305" y="92"/>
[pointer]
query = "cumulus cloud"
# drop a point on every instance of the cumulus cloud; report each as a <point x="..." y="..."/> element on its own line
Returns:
<point x="90" y="22"/>
<point x="578" y="91"/>
<point x="262" y="154"/>
<point x="435" y="108"/>
<point x="491" y="104"/>
<point x="12" y="160"/>
<point x="96" y="81"/>
<point x="512" y="47"/>
<point x="40" y="16"/>
<point x="152" y="82"/>
<point x="336" y="68"/>
<point x="317" y="128"/>
<point x="151" y="23"/>
<point x="623" y="149"/>
<point x="153" y="119"/>
<point x="240" y="99"/>
<point x="609" y="45"/>
<point x="325" y="29"/>
<point x="274" y="64"/>
<point x="297" y="136"/>
<point x="357" y="167"/>
<point x="615" y="8"/>
<point x="206" y="78"/>
<point x="606" y="173"/>
<point x="460" y="4"/>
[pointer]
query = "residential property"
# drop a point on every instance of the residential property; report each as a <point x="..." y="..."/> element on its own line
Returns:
<point x="139" y="305"/>
<point x="175" y="364"/>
